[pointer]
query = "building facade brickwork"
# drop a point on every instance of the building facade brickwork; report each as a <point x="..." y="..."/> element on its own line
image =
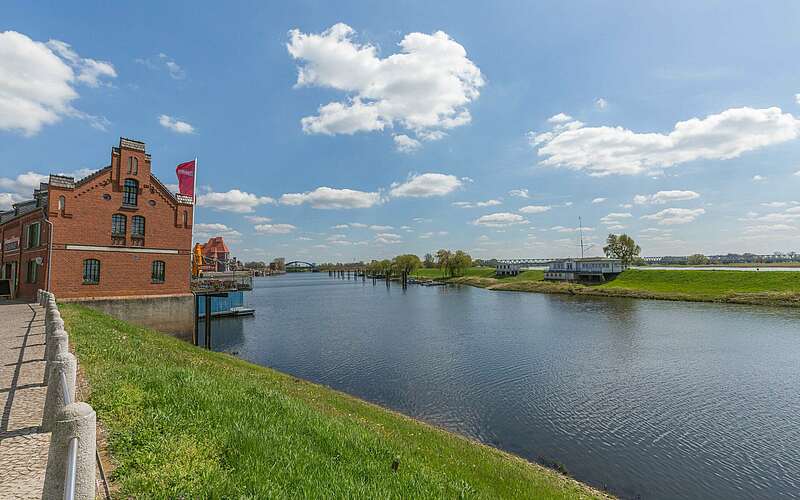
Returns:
<point x="118" y="232"/>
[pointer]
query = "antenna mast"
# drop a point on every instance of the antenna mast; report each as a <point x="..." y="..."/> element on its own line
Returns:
<point x="580" y="228"/>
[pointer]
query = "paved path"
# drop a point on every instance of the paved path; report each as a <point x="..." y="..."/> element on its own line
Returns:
<point x="23" y="448"/>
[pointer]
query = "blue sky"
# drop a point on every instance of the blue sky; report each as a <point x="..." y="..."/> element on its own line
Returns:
<point x="365" y="130"/>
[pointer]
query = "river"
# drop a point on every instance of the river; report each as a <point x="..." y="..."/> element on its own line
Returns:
<point x="654" y="399"/>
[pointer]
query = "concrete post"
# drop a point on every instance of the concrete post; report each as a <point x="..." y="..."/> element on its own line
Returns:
<point x="54" y="398"/>
<point x="58" y="344"/>
<point x="77" y="420"/>
<point x="53" y="325"/>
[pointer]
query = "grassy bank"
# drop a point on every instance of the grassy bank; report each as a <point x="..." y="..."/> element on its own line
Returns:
<point x="741" y="287"/>
<point x="182" y="422"/>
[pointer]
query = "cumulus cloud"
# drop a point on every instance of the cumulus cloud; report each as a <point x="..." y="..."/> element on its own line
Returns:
<point x="663" y="197"/>
<point x="406" y="144"/>
<point x="562" y="229"/>
<point x="424" y="88"/>
<point x="560" y="118"/>
<point x="606" y="150"/>
<point x="175" y="125"/>
<point x="233" y="201"/>
<point x="598" y="200"/>
<point x="426" y="185"/>
<point x="8" y="199"/>
<point x="37" y="82"/>
<point x="535" y="209"/>
<point x="327" y="198"/>
<point x="600" y="103"/>
<point x="672" y="216"/>
<point x="477" y="204"/>
<point x="519" y="193"/>
<point x="759" y="178"/>
<point x="614" y="219"/>
<point x="274" y="228"/>
<point x="388" y="238"/>
<point x="215" y="229"/>
<point x="257" y="219"/>
<point x="500" y="219"/>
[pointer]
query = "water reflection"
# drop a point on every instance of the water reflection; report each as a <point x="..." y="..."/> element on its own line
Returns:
<point x="652" y="398"/>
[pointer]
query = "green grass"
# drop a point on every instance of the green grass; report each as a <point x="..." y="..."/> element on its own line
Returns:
<point x="707" y="283"/>
<point x="182" y="422"/>
<point x="780" y="288"/>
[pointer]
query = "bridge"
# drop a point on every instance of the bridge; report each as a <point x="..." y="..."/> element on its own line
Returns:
<point x="300" y="266"/>
<point x="527" y="262"/>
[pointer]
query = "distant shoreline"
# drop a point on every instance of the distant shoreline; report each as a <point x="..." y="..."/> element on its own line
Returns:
<point x="780" y="289"/>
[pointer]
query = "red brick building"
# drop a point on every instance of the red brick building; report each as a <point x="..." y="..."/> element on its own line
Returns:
<point x="215" y="254"/>
<point x="116" y="233"/>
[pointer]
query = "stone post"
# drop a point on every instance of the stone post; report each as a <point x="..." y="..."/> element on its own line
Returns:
<point x="58" y="343"/>
<point x="54" y="398"/>
<point x="53" y="325"/>
<point x="76" y="421"/>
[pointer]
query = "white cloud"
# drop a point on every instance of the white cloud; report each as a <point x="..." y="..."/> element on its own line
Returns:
<point x="500" y="219"/>
<point x="233" y="201"/>
<point x="90" y="71"/>
<point x="163" y="61"/>
<point x="8" y="199"/>
<point x="519" y="193"/>
<point x="379" y="228"/>
<point x="797" y="98"/>
<point x="304" y="238"/>
<point x="23" y="184"/>
<point x="204" y="230"/>
<point x="759" y="178"/>
<point x="613" y="219"/>
<point x="560" y="118"/>
<point x="360" y="225"/>
<point x="615" y="150"/>
<point x="600" y="103"/>
<point x="598" y="200"/>
<point x="388" y="238"/>
<point x="663" y="197"/>
<point x="535" y="209"/>
<point x="425" y="88"/>
<point x="327" y="198"/>
<point x="426" y="185"/>
<point x="37" y="82"/>
<point x="562" y="229"/>
<point x="672" y="216"/>
<point x="175" y="125"/>
<point x="797" y="173"/>
<point x="406" y="144"/>
<point x="257" y="219"/>
<point x="478" y="204"/>
<point x="274" y="228"/>
<point x="340" y="226"/>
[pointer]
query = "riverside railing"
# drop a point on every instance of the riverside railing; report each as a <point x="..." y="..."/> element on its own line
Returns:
<point x="70" y="472"/>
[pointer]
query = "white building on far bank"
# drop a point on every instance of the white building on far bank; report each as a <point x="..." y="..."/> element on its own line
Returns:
<point x="588" y="269"/>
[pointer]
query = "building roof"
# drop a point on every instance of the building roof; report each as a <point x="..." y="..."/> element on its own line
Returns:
<point x="215" y="245"/>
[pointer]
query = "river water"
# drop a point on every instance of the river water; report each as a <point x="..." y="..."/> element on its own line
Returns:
<point x="654" y="399"/>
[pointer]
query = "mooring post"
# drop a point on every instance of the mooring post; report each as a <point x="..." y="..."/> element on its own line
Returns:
<point x="195" y="332"/>
<point x="71" y="464"/>
<point x="208" y="322"/>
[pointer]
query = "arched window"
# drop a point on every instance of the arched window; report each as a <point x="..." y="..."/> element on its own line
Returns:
<point x="159" y="271"/>
<point x="137" y="226"/>
<point x="135" y="166"/>
<point x="62" y="203"/>
<point x="91" y="272"/>
<point x="118" y="222"/>
<point x="185" y="218"/>
<point x="130" y="192"/>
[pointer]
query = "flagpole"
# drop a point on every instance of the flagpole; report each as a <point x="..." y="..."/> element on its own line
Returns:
<point x="194" y="199"/>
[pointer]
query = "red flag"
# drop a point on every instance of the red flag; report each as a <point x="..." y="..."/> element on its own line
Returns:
<point x="185" y="172"/>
